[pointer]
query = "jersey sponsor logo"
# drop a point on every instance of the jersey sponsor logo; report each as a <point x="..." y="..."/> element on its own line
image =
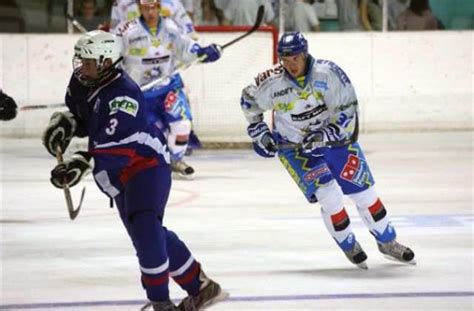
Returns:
<point x="347" y="105"/>
<point x="337" y="70"/>
<point x="125" y="104"/>
<point x="282" y="92"/>
<point x="266" y="74"/>
<point x="155" y="60"/>
<point x="356" y="171"/>
<point x="316" y="173"/>
<point x="309" y="114"/>
<point x="137" y="39"/>
<point x="284" y="107"/>
<point x="137" y="51"/>
<point x="321" y="85"/>
<point x="121" y="30"/>
<point x="170" y="100"/>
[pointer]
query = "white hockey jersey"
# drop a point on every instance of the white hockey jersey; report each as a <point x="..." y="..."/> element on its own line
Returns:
<point x="327" y="102"/>
<point x="127" y="10"/>
<point x="148" y="57"/>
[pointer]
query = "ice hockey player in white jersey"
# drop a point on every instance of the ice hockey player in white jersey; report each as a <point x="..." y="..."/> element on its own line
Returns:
<point x="315" y="136"/>
<point x="153" y="46"/>
<point x="127" y="10"/>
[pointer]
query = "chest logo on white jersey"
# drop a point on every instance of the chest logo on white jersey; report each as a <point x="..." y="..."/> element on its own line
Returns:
<point x="309" y="114"/>
<point x="282" y="92"/>
<point x="124" y="104"/>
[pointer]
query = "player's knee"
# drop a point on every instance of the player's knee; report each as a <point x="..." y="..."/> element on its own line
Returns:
<point x="364" y="198"/>
<point x="330" y="197"/>
<point x="143" y="224"/>
<point x="180" y="128"/>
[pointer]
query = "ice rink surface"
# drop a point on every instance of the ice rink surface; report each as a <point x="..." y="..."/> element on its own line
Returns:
<point x="252" y="230"/>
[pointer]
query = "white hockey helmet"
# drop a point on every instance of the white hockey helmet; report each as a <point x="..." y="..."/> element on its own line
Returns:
<point x="82" y="40"/>
<point x="98" y="45"/>
<point x="101" y="45"/>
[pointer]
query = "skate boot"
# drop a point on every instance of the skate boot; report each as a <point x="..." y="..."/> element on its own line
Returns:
<point x="209" y="294"/>
<point x="182" y="170"/>
<point x="357" y="256"/>
<point x="160" y="306"/>
<point x="396" y="251"/>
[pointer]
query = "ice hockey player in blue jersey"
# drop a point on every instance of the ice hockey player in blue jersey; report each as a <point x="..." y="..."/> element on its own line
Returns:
<point x="315" y="136"/>
<point x="153" y="48"/>
<point x="131" y="166"/>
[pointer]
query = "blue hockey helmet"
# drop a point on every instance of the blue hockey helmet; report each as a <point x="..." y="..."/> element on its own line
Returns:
<point x="292" y="43"/>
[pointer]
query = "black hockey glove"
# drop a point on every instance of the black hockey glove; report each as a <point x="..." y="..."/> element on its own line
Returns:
<point x="263" y="142"/>
<point x="71" y="171"/>
<point x="7" y="107"/>
<point x="59" y="132"/>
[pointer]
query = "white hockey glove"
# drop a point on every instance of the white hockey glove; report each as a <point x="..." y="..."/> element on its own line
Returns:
<point x="313" y="141"/>
<point x="71" y="171"/>
<point x="263" y="142"/>
<point x="59" y="131"/>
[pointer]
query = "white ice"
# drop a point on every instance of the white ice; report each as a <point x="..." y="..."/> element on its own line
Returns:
<point x="252" y="230"/>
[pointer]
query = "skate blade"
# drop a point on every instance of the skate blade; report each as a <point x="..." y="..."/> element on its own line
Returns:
<point x="180" y="176"/>
<point x="362" y="265"/>
<point x="223" y="295"/>
<point x="411" y="262"/>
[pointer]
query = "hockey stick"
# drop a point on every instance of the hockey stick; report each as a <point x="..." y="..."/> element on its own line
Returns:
<point x="76" y="23"/>
<point x="67" y="193"/>
<point x="298" y="146"/>
<point x="181" y="67"/>
<point x="33" y="107"/>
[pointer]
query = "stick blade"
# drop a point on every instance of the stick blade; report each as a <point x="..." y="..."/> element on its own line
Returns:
<point x="74" y="212"/>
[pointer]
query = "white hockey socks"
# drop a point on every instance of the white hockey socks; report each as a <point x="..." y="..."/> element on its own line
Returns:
<point x="335" y="216"/>
<point x="374" y="215"/>
<point x="178" y="138"/>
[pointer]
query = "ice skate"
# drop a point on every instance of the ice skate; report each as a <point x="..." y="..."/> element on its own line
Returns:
<point x="395" y="251"/>
<point x="182" y="170"/>
<point x="357" y="256"/>
<point x="209" y="294"/>
<point x="160" y="306"/>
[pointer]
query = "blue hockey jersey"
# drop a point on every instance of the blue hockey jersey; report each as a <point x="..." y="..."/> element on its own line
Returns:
<point x="121" y="139"/>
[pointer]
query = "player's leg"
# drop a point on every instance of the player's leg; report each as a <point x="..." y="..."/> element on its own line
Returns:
<point x="146" y="194"/>
<point x="374" y="215"/>
<point x="355" y="178"/>
<point x="315" y="180"/>
<point x="177" y="114"/>
<point x="188" y="274"/>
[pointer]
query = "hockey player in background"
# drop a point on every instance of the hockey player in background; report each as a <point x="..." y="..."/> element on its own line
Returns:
<point x="315" y="136"/>
<point x="127" y="10"/>
<point x="8" y="107"/>
<point x="131" y="166"/>
<point x="153" y="47"/>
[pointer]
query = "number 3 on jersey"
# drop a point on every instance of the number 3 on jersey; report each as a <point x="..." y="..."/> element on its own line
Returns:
<point x="110" y="130"/>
